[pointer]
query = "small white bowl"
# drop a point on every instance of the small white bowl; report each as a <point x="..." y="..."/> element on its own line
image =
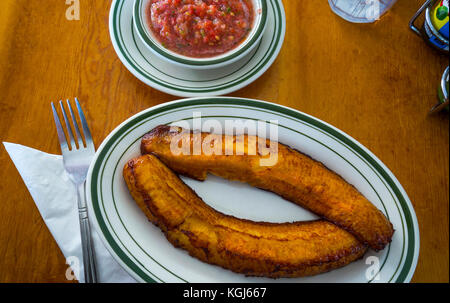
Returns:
<point x="149" y="40"/>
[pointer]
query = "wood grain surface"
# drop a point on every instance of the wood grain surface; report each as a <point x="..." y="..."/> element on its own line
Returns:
<point x="375" y="82"/>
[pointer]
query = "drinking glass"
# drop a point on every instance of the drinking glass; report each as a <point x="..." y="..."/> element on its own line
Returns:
<point x="361" y="11"/>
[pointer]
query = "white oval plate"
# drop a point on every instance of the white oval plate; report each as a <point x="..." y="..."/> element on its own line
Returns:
<point x="144" y="252"/>
<point x="181" y="81"/>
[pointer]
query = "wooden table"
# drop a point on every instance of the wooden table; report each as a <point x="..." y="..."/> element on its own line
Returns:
<point x="374" y="82"/>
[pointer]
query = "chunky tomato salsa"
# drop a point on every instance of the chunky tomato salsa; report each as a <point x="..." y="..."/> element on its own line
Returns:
<point x="200" y="28"/>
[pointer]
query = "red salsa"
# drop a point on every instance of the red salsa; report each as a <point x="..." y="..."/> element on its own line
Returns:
<point x="200" y="28"/>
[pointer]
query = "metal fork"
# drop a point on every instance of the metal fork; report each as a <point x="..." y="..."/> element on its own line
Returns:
<point x="77" y="157"/>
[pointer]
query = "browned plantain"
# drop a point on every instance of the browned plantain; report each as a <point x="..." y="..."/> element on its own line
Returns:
<point x="252" y="248"/>
<point x="295" y="176"/>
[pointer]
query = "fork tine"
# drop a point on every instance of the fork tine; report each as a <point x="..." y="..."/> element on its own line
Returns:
<point x="60" y="131"/>
<point x="69" y="129"/>
<point x="78" y="138"/>
<point x="84" y="125"/>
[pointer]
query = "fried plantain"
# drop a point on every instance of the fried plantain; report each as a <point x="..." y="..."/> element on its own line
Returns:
<point x="295" y="176"/>
<point x="251" y="248"/>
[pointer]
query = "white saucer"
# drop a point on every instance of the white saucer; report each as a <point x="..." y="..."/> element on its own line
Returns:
<point x="184" y="82"/>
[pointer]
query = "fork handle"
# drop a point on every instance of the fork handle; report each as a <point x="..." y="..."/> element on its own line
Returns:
<point x="90" y="271"/>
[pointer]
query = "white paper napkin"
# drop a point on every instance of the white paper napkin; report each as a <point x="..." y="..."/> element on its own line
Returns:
<point x="55" y="197"/>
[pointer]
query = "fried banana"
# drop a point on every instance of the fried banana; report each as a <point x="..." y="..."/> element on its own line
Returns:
<point x="251" y="248"/>
<point x="295" y="177"/>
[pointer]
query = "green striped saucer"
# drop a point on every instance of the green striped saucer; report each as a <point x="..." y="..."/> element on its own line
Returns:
<point x="181" y="81"/>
